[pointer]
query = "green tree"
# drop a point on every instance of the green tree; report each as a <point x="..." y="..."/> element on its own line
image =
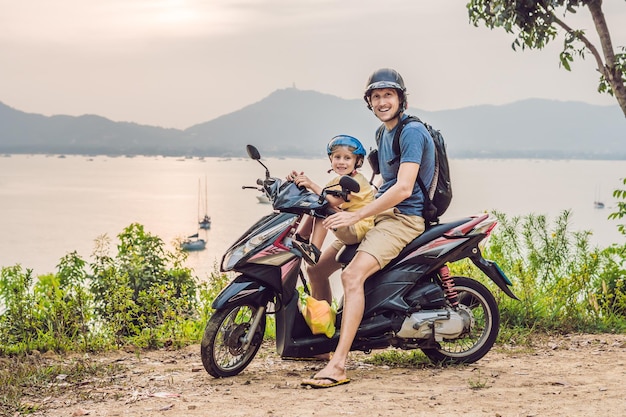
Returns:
<point x="535" y="23"/>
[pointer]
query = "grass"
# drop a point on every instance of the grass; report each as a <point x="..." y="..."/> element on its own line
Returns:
<point x="27" y="381"/>
<point x="399" y="359"/>
<point x="479" y="382"/>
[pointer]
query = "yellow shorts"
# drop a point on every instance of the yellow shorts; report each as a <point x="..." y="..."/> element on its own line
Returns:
<point x="392" y="231"/>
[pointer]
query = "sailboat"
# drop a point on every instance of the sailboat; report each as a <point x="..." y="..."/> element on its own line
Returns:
<point x="597" y="203"/>
<point x="204" y="222"/>
<point x="193" y="242"/>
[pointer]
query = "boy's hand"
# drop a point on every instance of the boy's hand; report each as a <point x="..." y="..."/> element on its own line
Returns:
<point x="293" y="175"/>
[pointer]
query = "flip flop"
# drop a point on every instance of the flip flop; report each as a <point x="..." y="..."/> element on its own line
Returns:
<point x="333" y="382"/>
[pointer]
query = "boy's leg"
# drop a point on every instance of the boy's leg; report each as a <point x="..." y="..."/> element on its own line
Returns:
<point x="306" y="227"/>
<point x="320" y="273"/>
<point x="318" y="233"/>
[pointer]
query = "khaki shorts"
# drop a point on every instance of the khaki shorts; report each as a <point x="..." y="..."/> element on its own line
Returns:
<point x="345" y="236"/>
<point x="392" y="231"/>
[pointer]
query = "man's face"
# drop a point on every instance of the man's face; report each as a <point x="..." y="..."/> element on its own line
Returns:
<point x="385" y="103"/>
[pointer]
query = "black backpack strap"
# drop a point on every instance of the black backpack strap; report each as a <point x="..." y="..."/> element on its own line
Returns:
<point x="379" y="134"/>
<point x="430" y="211"/>
<point x="395" y="146"/>
<point x="396" y="150"/>
<point x="372" y="157"/>
<point x="426" y="193"/>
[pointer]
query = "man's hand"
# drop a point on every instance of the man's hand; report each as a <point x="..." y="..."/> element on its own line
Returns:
<point x="341" y="219"/>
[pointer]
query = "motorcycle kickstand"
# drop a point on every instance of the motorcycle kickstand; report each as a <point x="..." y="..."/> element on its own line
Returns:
<point x="431" y="342"/>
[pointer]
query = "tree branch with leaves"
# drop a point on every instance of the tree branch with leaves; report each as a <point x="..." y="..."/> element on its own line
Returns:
<point x="536" y="23"/>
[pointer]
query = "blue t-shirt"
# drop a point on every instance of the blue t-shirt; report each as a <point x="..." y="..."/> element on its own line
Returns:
<point x="416" y="146"/>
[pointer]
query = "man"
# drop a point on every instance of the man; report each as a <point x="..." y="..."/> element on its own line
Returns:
<point x="397" y="207"/>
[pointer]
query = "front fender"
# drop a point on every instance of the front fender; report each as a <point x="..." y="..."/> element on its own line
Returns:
<point x="243" y="288"/>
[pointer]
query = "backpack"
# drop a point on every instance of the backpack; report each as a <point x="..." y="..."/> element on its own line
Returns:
<point x="439" y="196"/>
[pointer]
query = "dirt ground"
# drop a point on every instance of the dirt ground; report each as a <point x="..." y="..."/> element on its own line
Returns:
<point x="573" y="375"/>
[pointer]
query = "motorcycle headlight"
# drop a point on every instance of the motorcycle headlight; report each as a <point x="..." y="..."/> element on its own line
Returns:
<point x="248" y="246"/>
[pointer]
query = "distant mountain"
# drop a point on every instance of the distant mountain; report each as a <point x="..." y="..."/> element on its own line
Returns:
<point x="292" y="122"/>
<point x="535" y="129"/>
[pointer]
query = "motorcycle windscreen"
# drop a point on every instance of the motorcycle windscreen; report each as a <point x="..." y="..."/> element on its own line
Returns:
<point x="290" y="197"/>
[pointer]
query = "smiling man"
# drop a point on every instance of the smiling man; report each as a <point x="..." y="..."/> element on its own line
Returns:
<point x="397" y="209"/>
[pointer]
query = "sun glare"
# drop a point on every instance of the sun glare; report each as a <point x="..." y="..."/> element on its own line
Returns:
<point x="175" y="12"/>
<point x="191" y="17"/>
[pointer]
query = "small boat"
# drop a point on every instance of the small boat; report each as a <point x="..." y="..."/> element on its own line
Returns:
<point x="263" y="199"/>
<point x="205" y="221"/>
<point x="193" y="243"/>
<point x="596" y="201"/>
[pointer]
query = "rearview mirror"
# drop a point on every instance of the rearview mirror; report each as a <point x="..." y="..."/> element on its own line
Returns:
<point x="348" y="183"/>
<point x="253" y="152"/>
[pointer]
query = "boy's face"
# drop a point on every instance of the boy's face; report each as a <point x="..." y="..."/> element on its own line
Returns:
<point x="343" y="161"/>
<point x="385" y="103"/>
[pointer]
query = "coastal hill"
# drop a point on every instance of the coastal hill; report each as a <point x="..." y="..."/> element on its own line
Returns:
<point x="297" y="123"/>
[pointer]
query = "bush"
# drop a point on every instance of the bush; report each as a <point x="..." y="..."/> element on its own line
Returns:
<point x="563" y="284"/>
<point x="143" y="295"/>
<point x="142" y="288"/>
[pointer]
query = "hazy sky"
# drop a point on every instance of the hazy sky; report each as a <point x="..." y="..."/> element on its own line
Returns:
<point x="176" y="63"/>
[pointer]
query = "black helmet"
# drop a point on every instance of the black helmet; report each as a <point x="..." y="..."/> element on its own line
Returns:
<point x="385" y="78"/>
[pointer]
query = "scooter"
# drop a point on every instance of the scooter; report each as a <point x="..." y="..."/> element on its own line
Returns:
<point x="412" y="303"/>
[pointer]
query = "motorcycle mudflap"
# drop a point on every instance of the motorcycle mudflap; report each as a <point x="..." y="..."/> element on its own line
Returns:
<point x="493" y="271"/>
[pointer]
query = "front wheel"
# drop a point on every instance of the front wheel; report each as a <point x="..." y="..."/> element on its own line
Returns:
<point x="479" y="304"/>
<point x="223" y="349"/>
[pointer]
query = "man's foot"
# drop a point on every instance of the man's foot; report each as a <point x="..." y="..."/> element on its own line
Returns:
<point x="331" y="376"/>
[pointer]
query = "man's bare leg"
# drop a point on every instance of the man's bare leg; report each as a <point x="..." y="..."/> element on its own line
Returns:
<point x="353" y="278"/>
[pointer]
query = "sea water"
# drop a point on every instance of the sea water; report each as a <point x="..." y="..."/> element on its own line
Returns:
<point x="53" y="205"/>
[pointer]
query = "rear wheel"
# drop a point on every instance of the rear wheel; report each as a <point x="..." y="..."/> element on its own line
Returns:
<point x="223" y="347"/>
<point x="483" y="323"/>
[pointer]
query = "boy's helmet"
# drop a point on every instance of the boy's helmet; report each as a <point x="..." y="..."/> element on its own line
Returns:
<point x="385" y="78"/>
<point x="345" y="140"/>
